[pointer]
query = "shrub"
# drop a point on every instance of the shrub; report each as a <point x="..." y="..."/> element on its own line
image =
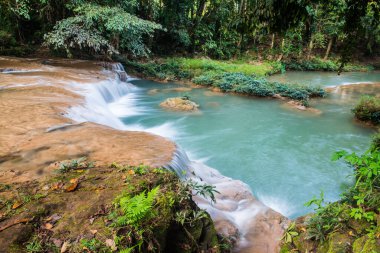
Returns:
<point x="368" y="109"/>
<point x="318" y="64"/>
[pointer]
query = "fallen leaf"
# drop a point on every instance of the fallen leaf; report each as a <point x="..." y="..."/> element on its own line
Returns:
<point x="92" y="220"/>
<point x="72" y="186"/>
<point x="93" y="231"/>
<point x="48" y="226"/>
<point x="74" y="180"/>
<point x="16" y="205"/>
<point x="351" y="233"/>
<point x="131" y="172"/>
<point x="111" y="243"/>
<point x="57" y="186"/>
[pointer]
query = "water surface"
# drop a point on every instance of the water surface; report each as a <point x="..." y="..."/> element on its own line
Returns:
<point x="281" y="153"/>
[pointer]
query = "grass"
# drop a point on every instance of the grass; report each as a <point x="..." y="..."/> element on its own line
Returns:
<point x="199" y="66"/>
<point x="229" y="76"/>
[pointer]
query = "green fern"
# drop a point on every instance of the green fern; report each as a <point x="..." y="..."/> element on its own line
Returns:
<point x="136" y="208"/>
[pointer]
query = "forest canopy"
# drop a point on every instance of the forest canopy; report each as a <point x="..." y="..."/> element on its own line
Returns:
<point x="216" y="28"/>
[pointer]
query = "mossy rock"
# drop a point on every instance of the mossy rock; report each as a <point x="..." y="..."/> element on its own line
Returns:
<point x="366" y="245"/>
<point x="302" y="244"/>
<point x="322" y="247"/>
<point x="286" y="248"/>
<point x="339" y="243"/>
<point x="359" y="226"/>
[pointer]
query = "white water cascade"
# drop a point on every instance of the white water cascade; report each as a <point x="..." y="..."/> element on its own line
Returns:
<point x="235" y="212"/>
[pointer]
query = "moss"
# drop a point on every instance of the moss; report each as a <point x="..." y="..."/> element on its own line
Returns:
<point x="366" y="245"/>
<point x="339" y="243"/>
<point x="286" y="248"/>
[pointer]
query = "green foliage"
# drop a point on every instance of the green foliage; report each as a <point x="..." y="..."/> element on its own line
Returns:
<point x="34" y="246"/>
<point x="289" y="233"/>
<point x="190" y="217"/>
<point x="205" y="190"/>
<point x="136" y="208"/>
<point x="376" y="142"/>
<point x="94" y="245"/>
<point x="103" y="30"/>
<point x="75" y="164"/>
<point x="251" y="85"/>
<point x="317" y="64"/>
<point x="368" y="109"/>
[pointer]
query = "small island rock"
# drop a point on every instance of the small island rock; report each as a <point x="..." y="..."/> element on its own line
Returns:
<point x="180" y="104"/>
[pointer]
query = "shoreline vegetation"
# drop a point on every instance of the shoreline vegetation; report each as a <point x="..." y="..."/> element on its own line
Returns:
<point x="351" y="224"/>
<point x="368" y="110"/>
<point x="241" y="77"/>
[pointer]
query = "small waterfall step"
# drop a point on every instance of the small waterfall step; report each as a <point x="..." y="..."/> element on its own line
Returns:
<point x="118" y="68"/>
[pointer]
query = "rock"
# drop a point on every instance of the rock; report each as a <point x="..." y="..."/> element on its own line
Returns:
<point x="339" y="243"/>
<point x="111" y="243"/>
<point x="179" y="104"/>
<point x="297" y="105"/>
<point x="366" y="245"/>
<point x="278" y="96"/>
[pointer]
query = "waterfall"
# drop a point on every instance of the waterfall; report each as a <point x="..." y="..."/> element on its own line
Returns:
<point x="235" y="209"/>
<point x="117" y="68"/>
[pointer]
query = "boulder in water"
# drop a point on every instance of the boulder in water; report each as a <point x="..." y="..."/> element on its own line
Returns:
<point x="180" y="104"/>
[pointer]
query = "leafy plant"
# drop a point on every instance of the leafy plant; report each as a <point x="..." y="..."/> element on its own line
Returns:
<point x="74" y="164"/>
<point x="205" y="190"/>
<point x="135" y="209"/>
<point x="289" y="233"/>
<point x="34" y="246"/>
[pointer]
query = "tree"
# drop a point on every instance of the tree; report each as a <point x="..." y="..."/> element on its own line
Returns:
<point x="103" y="30"/>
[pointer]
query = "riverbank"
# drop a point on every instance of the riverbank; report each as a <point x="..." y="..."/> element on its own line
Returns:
<point x="40" y="140"/>
<point x="236" y="77"/>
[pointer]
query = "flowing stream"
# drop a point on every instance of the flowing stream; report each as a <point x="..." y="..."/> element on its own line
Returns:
<point x="281" y="153"/>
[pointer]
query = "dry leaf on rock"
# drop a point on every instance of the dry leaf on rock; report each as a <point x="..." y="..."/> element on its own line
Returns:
<point x="16" y="205"/>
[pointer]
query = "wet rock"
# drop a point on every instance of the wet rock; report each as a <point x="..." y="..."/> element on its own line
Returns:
<point x="179" y="104"/>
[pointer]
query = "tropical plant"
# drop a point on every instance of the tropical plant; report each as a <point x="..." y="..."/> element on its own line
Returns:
<point x="135" y="209"/>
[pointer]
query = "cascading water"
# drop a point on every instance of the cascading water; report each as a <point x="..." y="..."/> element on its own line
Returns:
<point x="235" y="209"/>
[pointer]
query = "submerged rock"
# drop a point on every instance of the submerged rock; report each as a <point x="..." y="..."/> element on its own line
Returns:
<point x="179" y="104"/>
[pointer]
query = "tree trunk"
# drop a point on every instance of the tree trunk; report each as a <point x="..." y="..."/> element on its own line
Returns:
<point x="328" y="49"/>
<point x="311" y="46"/>
<point x="282" y="50"/>
<point x="272" y="43"/>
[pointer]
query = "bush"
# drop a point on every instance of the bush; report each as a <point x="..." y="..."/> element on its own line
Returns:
<point x="318" y="64"/>
<point x="368" y="109"/>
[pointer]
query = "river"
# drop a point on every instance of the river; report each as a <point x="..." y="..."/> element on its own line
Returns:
<point x="283" y="154"/>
